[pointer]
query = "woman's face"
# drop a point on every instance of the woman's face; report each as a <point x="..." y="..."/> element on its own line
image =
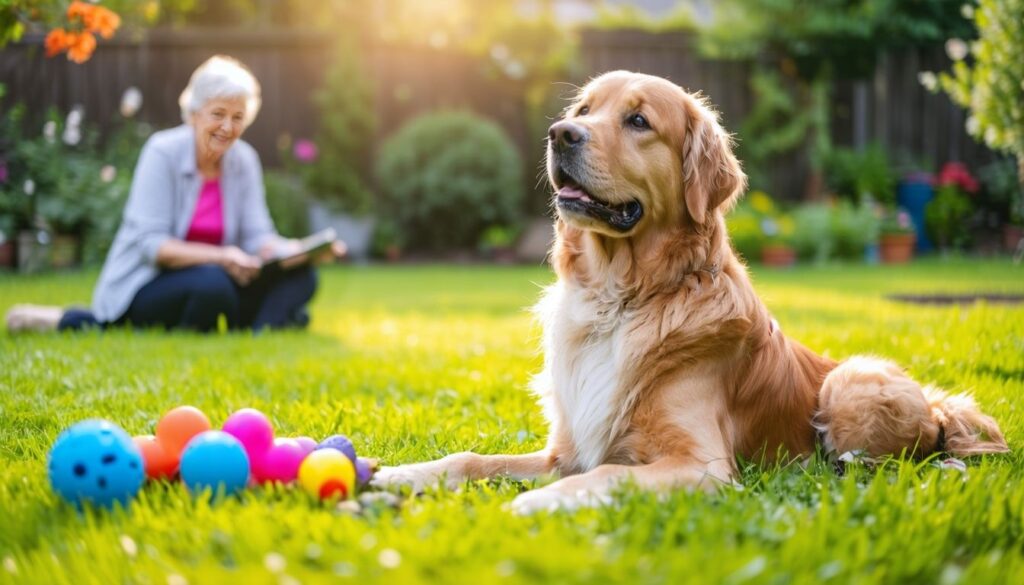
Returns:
<point x="218" y="124"/>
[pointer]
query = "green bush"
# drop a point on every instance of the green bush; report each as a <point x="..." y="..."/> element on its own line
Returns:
<point x="340" y="174"/>
<point x="445" y="177"/>
<point x="945" y="217"/>
<point x="859" y="174"/>
<point x="854" y="228"/>
<point x="288" y="204"/>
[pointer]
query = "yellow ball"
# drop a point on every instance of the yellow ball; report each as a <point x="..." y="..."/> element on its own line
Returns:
<point x="327" y="473"/>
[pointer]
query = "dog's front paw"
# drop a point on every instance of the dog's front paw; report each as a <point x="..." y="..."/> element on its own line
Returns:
<point x="417" y="477"/>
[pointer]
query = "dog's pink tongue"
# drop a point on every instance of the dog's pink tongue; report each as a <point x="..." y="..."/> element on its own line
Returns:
<point x="568" y="192"/>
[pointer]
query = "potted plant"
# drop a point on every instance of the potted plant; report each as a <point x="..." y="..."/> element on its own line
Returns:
<point x="946" y="215"/>
<point x="896" y="245"/>
<point x="778" y="250"/>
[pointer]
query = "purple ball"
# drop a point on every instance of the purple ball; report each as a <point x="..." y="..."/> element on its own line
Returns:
<point x="363" y="471"/>
<point x="341" y="443"/>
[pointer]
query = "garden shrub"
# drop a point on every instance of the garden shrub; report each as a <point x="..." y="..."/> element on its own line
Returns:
<point x="339" y="176"/>
<point x="446" y="177"/>
<point x="287" y="202"/>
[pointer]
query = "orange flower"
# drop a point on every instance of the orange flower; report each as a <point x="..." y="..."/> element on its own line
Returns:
<point x="103" y="21"/>
<point x="81" y="10"/>
<point x="56" y="42"/>
<point x="80" y="46"/>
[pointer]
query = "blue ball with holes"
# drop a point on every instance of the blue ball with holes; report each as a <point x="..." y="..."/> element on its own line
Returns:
<point x="95" y="461"/>
<point x="216" y="461"/>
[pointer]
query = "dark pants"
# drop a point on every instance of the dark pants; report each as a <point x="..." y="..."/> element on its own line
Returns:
<point x="194" y="298"/>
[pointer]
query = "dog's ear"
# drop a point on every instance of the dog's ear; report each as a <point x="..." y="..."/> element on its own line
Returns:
<point x="712" y="176"/>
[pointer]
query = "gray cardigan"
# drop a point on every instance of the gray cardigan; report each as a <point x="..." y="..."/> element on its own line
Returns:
<point x="165" y="189"/>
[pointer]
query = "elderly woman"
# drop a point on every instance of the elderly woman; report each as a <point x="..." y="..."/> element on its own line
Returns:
<point x="196" y="227"/>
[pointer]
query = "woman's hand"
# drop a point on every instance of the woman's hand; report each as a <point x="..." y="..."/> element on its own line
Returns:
<point x="241" y="267"/>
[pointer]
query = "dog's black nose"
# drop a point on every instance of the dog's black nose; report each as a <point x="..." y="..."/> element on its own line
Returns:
<point x="564" y="135"/>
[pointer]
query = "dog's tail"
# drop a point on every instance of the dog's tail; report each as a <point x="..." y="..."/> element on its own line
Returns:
<point x="872" y="405"/>
<point x="965" y="430"/>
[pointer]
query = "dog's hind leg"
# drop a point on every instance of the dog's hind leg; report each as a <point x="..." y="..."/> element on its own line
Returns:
<point x="872" y="405"/>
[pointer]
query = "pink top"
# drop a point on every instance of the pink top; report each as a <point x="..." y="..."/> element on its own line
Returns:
<point x="208" y="219"/>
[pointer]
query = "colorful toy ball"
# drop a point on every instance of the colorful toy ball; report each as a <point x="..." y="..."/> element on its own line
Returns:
<point x="162" y="453"/>
<point x="178" y="426"/>
<point x="252" y="428"/>
<point x="95" y="461"/>
<point x="158" y="462"/>
<point x="280" y="463"/>
<point x="327" y="473"/>
<point x="215" y="460"/>
<point x="341" y="443"/>
<point x="308" y="444"/>
<point x="364" y="471"/>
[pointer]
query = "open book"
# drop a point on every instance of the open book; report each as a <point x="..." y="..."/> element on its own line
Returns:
<point x="309" y="246"/>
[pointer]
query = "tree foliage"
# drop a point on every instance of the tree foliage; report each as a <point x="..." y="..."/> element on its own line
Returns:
<point x="991" y="84"/>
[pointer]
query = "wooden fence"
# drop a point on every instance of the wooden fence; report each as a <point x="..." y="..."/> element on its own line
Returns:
<point x="892" y="109"/>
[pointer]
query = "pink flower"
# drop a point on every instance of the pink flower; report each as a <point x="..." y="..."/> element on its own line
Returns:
<point x="955" y="173"/>
<point x="903" y="219"/>
<point x="305" y="151"/>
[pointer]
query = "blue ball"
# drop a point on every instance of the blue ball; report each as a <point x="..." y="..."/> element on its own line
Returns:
<point x="215" y="460"/>
<point x="341" y="443"/>
<point x="96" y="461"/>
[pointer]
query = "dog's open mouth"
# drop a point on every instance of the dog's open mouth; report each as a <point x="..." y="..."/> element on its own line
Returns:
<point x="572" y="197"/>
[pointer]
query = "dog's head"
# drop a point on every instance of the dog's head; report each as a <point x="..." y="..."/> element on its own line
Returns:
<point x="635" y="150"/>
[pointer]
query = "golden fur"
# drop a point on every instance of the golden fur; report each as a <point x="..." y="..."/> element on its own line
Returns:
<point x="661" y="362"/>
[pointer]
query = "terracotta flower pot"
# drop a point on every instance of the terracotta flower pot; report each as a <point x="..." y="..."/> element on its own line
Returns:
<point x="896" y="248"/>
<point x="778" y="255"/>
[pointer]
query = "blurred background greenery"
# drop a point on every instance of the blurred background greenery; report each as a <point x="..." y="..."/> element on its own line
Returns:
<point x="390" y="115"/>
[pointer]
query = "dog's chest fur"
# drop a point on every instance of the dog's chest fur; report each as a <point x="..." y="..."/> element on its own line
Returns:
<point x="583" y="371"/>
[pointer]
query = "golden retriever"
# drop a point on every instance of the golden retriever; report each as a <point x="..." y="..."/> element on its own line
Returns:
<point x="661" y="364"/>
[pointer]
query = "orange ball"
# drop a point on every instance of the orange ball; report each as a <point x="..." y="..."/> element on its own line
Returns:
<point x="178" y="426"/>
<point x="157" y="462"/>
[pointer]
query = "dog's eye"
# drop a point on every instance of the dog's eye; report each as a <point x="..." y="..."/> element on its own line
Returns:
<point x="638" y="121"/>
<point x="583" y="111"/>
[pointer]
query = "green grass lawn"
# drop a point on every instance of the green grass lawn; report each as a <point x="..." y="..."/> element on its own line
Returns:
<point x="417" y="362"/>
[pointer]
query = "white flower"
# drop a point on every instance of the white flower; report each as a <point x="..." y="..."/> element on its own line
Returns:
<point x="75" y="116"/>
<point x="991" y="137"/>
<point x="274" y="562"/>
<point x="50" y="131"/>
<point x="130" y="548"/>
<point x="928" y="80"/>
<point x="131" y="101"/>
<point x="72" y="135"/>
<point x="29" y="187"/>
<point x="108" y="173"/>
<point x="973" y="125"/>
<point x="967" y="11"/>
<point x="389" y="558"/>
<point x="956" y="49"/>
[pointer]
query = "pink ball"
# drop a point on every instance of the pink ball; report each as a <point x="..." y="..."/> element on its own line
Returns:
<point x="281" y="462"/>
<point x="307" y="443"/>
<point x="253" y="430"/>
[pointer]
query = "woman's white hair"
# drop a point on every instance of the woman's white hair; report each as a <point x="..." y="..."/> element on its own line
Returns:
<point x="220" y="77"/>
